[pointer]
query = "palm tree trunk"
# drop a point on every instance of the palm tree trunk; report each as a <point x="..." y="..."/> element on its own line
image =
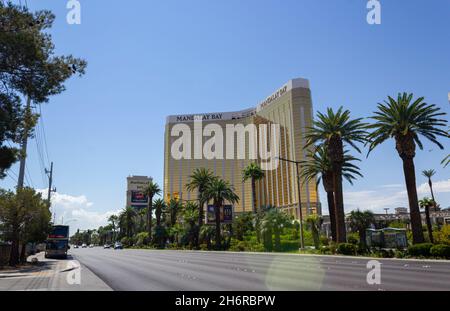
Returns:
<point x="362" y="238"/>
<point x="218" y="238"/>
<point x="429" y="227"/>
<point x="277" y="239"/>
<point x="23" y="257"/>
<point x="432" y="193"/>
<point x="149" y="218"/>
<point x="201" y="205"/>
<point x="332" y="213"/>
<point x="341" y="233"/>
<point x="414" y="211"/>
<point x="254" y="195"/>
<point x="14" y="255"/>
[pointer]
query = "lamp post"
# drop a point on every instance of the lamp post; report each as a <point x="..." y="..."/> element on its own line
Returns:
<point x="297" y="163"/>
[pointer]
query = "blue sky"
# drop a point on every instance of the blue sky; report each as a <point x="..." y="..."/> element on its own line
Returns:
<point x="149" y="59"/>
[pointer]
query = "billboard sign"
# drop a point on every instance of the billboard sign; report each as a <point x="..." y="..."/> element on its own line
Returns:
<point x="226" y="214"/>
<point x="138" y="197"/>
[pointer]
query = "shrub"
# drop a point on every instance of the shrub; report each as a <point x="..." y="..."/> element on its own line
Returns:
<point x="289" y="246"/>
<point x="442" y="236"/>
<point x="141" y="239"/>
<point x="353" y="238"/>
<point x="324" y="240"/>
<point x="326" y="250"/>
<point x="204" y="247"/>
<point x="440" y="250"/>
<point x="346" y="249"/>
<point x="422" y="249"/>
<point x="126" y="241"/>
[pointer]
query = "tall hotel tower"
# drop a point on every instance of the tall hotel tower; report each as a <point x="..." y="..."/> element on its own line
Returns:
<point x="290" y="107"/>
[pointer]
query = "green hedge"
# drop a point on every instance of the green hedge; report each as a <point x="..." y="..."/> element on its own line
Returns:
<point x="346" y="249"/>
<point x="422" y="249"/>
<point x="440" y="250"/>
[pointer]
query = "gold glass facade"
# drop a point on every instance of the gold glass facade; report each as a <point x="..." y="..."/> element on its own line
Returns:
<point x="291" y="108"/>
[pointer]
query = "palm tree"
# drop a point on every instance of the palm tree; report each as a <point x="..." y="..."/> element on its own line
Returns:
<point x="199" y="180"/>
<point x="360" y="221"/>
<point x="253" y="172"/>
<point x="206" y="232"/>
<point x="318" y="165"/>
<point x="314" y="222"/>
<point x="277" y="220"/>
<point x="160" y="207"/>
<point x="113" y="221"/>
<point x="333" y="130"/>
<point x="428" y="174"/>
<point x="126" y="219"/>
<point x="173" y="208"/>
<point x="404" y="120"/>
<point x="150" y="190"/>
<point x="190" y="217"/>
<point x="426" y="203"/>
<point x="446" y="161"/>
<point x="219" y="191"/>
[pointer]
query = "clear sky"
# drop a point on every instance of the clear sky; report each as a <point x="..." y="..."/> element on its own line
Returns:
<point x="149" y="59"/>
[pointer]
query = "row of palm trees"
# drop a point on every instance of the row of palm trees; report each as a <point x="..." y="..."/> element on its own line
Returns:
<point x="327" y="141"/>
<point x="403" y="119"/>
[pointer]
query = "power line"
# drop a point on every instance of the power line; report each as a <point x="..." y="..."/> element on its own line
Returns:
<point x="44" y="136"/>
<point x="13" y="179"/>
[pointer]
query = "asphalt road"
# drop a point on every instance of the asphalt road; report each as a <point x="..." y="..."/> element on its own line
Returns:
<point x="188" y="270"/>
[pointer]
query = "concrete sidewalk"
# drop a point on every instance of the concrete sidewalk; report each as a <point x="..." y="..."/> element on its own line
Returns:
<point x="51" y="275"/>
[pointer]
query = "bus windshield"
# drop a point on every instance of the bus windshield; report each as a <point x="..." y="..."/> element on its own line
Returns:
<point x="57" y="244"/>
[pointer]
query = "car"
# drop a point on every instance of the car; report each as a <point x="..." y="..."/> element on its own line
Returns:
<point x="118" y="245"/>
<point x="75" y="246"/>
<point x="91" y="245"/>
<point x="83" y="245"/>
<point x="106" y="246"/>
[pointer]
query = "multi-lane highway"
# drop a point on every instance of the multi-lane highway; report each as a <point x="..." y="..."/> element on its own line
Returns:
<point x="187" y="270"/>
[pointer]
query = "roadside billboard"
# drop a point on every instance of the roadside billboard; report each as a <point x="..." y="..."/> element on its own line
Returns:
<point x="138" y="197"/>
<point x="226" y="215"/>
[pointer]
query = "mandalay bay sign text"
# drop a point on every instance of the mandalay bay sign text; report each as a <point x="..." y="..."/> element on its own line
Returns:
<point x="213" y="141"/>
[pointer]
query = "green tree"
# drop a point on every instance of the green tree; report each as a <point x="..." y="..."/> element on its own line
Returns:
<point x="113" y="222"/>
<point x="272" y="225"/>
<point x="150" y="190"/>
<point x="314" y="222"/>
<point x="253" y="172"/>
<point x="219" y="191"/>
<point x="29" y="67"/>
<point x="333" y="130"/>
<point x="25" y="217"/>
<point x="426" y="203"/>
<point x="405" y="120"/>
<point x="190" y="217"/>
<point x="318" y="164"/>
<point x="127" y="221"/>
<point x="359" y="222"/>
<point x="173" y="208"/>
<point x="160" y="208"/>
<point x="199" y="181"/>
<point x="206" y="234"/>
<point x="429" y="174"/>
<point x="242" y="225"/>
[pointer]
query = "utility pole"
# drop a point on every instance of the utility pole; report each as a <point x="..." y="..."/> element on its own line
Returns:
<point x="297" y="164"/>
<point x="50" y="180"/>
<point x="50" y="190"/>
<point x="23" y="151"/>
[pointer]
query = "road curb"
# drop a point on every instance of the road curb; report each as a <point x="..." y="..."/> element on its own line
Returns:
<point x="305" y="255"/>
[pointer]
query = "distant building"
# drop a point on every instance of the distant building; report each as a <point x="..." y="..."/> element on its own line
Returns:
<point x="290" y="107"/>
<point x="135" y="196"/>
<point x="401" y="210"/>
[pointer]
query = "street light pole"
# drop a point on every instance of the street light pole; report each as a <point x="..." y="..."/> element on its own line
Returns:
<point x="297" y="163"/>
